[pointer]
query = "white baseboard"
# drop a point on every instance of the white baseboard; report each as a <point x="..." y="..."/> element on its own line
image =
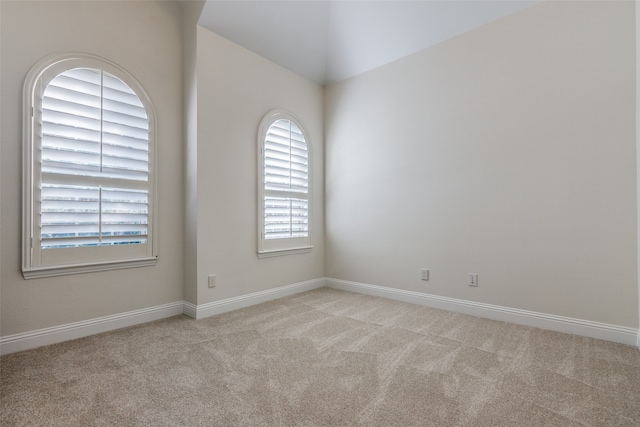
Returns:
<point x="604" y="331"/>
<point x="70" y="331"/>
<point x="189" y="309"/>
<point x="25" y="341"/>
<point x="28" y="340"/>
<point x="209" y="309"/>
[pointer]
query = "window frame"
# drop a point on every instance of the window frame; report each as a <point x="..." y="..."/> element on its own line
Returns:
<point x="78" y="259"/>
<point x="282" y="246"/>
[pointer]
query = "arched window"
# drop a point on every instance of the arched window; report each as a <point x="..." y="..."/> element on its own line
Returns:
<point x="89" y="168"/>
<point x="284" y="170"/>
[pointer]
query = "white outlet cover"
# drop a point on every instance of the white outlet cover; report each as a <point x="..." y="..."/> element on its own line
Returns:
<point x="472" y="279"/>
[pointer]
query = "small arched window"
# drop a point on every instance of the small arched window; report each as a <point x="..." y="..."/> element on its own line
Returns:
<point x="89" y="168"/>
<point x="284" y="170"/>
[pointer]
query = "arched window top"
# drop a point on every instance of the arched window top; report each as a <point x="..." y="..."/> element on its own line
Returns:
<point x="285" y="184"/>
<point x="286" y="156"/>
<point x="89" y="162"/>
<point x="54" y="67"/>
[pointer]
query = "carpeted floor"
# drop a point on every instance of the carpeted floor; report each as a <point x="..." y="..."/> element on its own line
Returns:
<point x="323" y="358"/>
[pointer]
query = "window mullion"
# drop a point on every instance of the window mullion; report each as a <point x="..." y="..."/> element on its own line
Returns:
<point x="101" y="153"/>
<point x="290" y="218"/>
<point x="101" y="116"/>
<point x="290" y="158"/>
<point x="100" y="214"/>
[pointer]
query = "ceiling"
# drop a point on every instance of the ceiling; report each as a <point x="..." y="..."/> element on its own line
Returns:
<point x="328" y="41"/>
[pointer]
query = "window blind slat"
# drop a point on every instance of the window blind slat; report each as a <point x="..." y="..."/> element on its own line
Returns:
<point x="123" y="163"/>
<point x="125" y="195"/>
<point x="69" y="119"/>
<point x="93" y="241"/>
<point x="77" y="111"/>
<point x="51" y="142"/>
<point x="279" y="163"/>
<point x="278" y="152"/>
<point x="112" y="82"/>
<point x="120" y="97"/>
<point x="276" y="155"/>
<point x="88" y="83"/>
<point x="124" y="108"/>
<point x="90" y="75"/>
<point x="286" y="188"/>
<point x="126" y="153"/>
<point x="81" y="99"/>
<point x="55" y="130"/>
<point x="61" y="231"/>
<point x="126" y="142"/>
<point x="57" y="233"/>
<point x="70" y="168"/>
<point x="299" y="154"/>
<point x="115" y="89"/>
<point x="123" y="130"/>
<point x="274" y="173"/>
<point x="119" y="117"/>
<point x="286" y="169"/>
<point x="124" y="218"/>
<point x="279" y="139"/>
<point x="126" y="174"/>
<point x="304" y="175"/>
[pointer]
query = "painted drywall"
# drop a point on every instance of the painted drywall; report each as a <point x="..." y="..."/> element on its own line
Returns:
<point x="638" y="152"/>
<point x="191" y="11"/>
<point x="0" y="176"/>
<point x="236" y="88"/>
<point x="508" y="152"/>
<point x="145" y="39"/>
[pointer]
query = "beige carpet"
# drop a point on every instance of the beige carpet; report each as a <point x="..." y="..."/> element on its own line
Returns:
<point x="324" y="358"/>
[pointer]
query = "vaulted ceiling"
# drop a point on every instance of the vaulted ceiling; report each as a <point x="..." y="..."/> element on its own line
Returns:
<point x="331" y="40"/>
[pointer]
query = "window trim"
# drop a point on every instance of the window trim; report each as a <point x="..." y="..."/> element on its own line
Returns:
<point x="286" y="246"/>
<point x="34" y="86"/>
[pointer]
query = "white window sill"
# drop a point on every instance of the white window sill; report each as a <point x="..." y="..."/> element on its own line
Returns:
<point x="63" y="270"/>
<point x="280" y="252"/>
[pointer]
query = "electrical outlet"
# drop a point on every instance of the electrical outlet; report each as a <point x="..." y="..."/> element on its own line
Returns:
<point x="472" y="279"/>
<point x="212" y="281"/>
<point x="425" y="274"/>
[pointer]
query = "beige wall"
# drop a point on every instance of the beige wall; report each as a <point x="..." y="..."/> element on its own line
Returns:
<point x="190" y="14"/>
<point x="509" y="152"/>
<point x="235" y="89"/>
<point x="637" y="16"/>
<point x="144" y="38"/>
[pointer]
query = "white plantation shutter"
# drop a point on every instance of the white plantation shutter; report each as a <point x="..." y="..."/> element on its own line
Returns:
<point x="74" y="216"/>
<point x="286" y="181"/>
<point x="285" y="217"/>
<point x="285" y="177"/>
<point x="95" y="131"/>
<point x="286" y="164"/>
<point x="90" y="154"/>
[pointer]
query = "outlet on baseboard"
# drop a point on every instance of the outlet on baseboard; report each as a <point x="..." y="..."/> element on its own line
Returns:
<point x="212" y="281"/>
<point x="425" y="274"/>
<point x="472" y="279"/>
